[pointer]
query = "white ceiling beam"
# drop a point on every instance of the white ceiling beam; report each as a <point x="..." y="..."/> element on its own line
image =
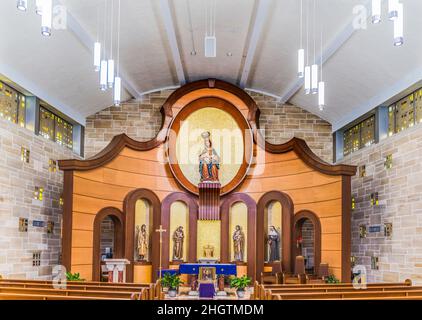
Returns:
<point x="88" y="42"/>
<point x="342" y="37"/>
<point x="260" y="19"/>
<point x="171" y="35"/>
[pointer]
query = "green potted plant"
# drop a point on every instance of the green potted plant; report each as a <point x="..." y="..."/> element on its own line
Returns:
<point x="240" y="283"/>
<point x="73" y="276"/>
<point x="172" y="282"/>
<point x="332" y="279"/>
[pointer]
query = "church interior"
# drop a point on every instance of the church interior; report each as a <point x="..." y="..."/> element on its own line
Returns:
<point x="210" y="149"/>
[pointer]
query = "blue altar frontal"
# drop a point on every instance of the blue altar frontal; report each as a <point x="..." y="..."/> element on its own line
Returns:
<point x="226" y="269"/>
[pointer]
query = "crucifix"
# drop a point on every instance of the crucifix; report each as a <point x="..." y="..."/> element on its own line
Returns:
<point x="160" y="230"/>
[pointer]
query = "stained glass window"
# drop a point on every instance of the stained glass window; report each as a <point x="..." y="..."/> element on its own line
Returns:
<point x="367" y="132"/>
<point x="55" y="128"/>
<point x="12" y="105"/>
<point x="359" y="136"/>
<point x="405" y="116"/>
<point x="418" y="105"/>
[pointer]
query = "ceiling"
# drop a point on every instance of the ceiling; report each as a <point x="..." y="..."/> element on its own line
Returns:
<point x="257" y="42"/>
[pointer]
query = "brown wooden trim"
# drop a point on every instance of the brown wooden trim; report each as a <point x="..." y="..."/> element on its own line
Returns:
<point x="346" y="232"/>
<point x="228" y="202"/>
<point x="193" y="106"/>
<point x="299" y="219"/>
<point x="122" y="140"/>
<point x="311" y="159"/>
<point x="109" y="153"/>
<point x="129" y="207"/>
<point x="67" y="220"/>
<point x="192" y="204"/>
<point x="286" y="225"/>
<point x="119" y="222"/>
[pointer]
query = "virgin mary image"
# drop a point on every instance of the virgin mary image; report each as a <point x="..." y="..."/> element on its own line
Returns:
<point x="209" y="161"/>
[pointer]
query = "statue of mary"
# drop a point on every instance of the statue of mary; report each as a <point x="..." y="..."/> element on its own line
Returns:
<point x="209" y="161"/>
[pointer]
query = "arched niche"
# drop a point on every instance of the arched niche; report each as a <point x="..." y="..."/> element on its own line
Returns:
<point x="129" y="208"/>
<point x="143" y="219"/>
<point x="118" y="220"/>
<point x="286" y="224"/>
<point x="191" y="204"/>
<point x="299" y="219"/>
<point x="229" y="202"/>
<point x="179" y="217"/>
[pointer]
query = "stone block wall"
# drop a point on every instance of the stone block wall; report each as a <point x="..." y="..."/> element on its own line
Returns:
<point x="17" y="185"/>
<point x="400" y="203"/>
<point x="141" y="120"/>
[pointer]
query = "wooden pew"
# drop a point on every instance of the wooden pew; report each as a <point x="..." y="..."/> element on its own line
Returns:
<point x="359" y="294"/>
<point x="270" y="293"/>
<point x="259" y="290"/>
<point x="25" y="296"/>
<point x="80" y="293"/>
<point x="147" y="291"/>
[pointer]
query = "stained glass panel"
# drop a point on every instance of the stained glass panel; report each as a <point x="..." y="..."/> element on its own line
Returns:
<point x="405" y="116"/>
<point x="9" y="100"/>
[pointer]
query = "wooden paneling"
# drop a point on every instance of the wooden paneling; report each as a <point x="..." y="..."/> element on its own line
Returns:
<point x="83" y="221"/>
<point x="331" y="225"/>
<point x="331" y="241"/>
<point x="81" y="255"/>
<point x="333" y="258"/>
<point x="156" y="154"/>
<point x="140" y="166"/>
<point x="82" y="239"/>
<point x="329" y="208"/>
<point x="142" y="273"/>
<point x="92" y="205"/>
<point x="85" y="271"/>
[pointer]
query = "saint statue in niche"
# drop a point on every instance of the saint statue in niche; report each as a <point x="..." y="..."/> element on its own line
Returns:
<point x="209" y="161"/>
<point x="142" y="243"/>
<point x="238" y="243"/>
<point x="178" y="237"/>
<point x="273" y="241"/>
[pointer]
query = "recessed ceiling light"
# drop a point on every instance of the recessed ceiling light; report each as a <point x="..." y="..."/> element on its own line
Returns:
<point x="193" y="53"/>
<point x="229" y="54"/>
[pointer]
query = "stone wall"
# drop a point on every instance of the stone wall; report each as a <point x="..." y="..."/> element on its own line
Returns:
<point x="141" y="120"/>
<point x="17" y="185"/>
<point x="400" y="203"/>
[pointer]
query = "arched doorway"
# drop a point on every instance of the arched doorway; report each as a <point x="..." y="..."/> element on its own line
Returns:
<point x="108" y="238"/>
<point x="308" y="239"/>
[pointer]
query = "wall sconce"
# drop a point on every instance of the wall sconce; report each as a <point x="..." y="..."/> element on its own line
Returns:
<point x="362" y="231"/>
<point x="388" y="163"/>
<point x="25" y="154"/>
<point x="362" y="171"/>
<point x="374" y="199"/>
<point x="23" y="225"/>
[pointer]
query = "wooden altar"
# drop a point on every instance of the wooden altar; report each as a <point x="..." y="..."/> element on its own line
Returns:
<point x="112" y="183"/>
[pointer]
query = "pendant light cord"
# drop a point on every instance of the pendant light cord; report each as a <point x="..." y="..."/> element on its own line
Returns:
<point x="118" y="38"/>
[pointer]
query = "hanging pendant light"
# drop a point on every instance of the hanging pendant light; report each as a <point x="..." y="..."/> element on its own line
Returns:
<point x="22" y="5"/>
<point x="103" y="75"/>
<point x="47" y="16"/>
<point x="398" y="26"/>
<point x="300" y="63"/>
<point x="38" y="7"/>
<point x="321" y="95"/>
<point x="118" y="80"/>
<point x="110" y="74"/>
<point x="97" y="56"/>
<point x="314" y="79"/>
<point x="117" y="91"/>
<point x="307" y="80"/>
<point x="301" y="52"/>
<point x="393" y="9"/>
<point x="376" y="11"/>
